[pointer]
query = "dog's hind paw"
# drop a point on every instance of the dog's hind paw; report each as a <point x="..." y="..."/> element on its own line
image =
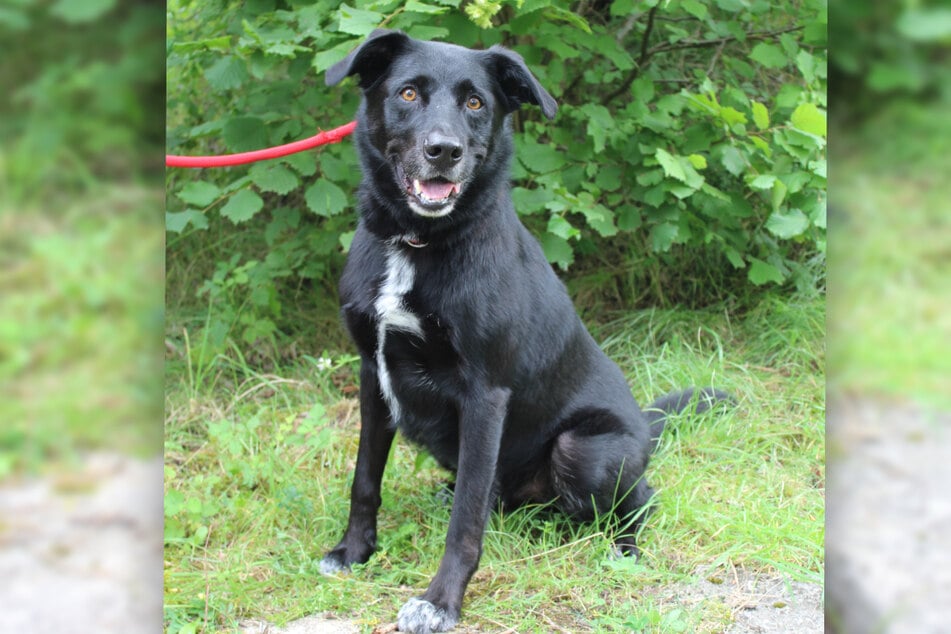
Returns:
<point x="422" y="617"/>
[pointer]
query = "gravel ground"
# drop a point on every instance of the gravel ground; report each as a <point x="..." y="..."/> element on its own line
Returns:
<point x="759" y="603"/>
<point x="82" y="551"/>
<point x="888" y="520"/>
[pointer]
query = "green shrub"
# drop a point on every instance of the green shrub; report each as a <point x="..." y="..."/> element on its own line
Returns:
<point x="684" y="128"/>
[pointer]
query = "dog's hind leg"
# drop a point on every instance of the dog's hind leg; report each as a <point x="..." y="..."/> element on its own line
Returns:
<point x="597" y="470"/>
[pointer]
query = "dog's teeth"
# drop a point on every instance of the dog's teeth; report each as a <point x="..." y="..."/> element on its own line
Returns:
<point x="417" y="187"/>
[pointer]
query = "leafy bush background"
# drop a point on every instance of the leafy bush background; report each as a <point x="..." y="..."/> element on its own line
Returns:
<point x="686" y="163"/>
<point x="81" y="230"/>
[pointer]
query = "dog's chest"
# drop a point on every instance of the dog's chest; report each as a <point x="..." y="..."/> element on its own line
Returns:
<point x="394" y="319"/>
<point x="390" y="305"/>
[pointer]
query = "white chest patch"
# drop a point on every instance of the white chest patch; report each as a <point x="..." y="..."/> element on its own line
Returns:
<point x="393" y="315"/>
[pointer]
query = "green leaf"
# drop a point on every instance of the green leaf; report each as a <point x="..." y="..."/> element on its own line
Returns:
<point x="732" y="116"/>
<point x="695" y="8"/>
<point x="244" y="134"/>
<point x="81" y="11"/>
<point x="559" y="226"/>
<point x="734" y="257"/>
<point x="806" y="64"/>
<point x="732" y="6"/>
<point x="621" y="59"/>
<point x="663" y="236"/>
<point x="530" y="201"/>
<point x="273" y="178"/>
<point x="326" y="58"/>
<point x="346" y="239"/>
<point x="600" y="219"/>
<point x="818" y="214"/>
<point x="242" y="206"/>
<point x="713" y="192"/>
<point x="557" y="250"/>
<point x="558" y="14"/>
<point x="762" y="272"/>
<point x="926" y="24"/>
<point x="538" y="158"/>
<point x="629" y="218"/>
<point x="655" y="196"/>
<point x="778" y="194"/>
<point x="808" y="118"/>
<point x="760" y="115"/>
<point x="325" y="198"/>
<point x="885" y="76"/>
<point x="304" y="162"/>
<point x="414" y="6"/>
<point x="174" y="502"/>
<point x="762" y="145"/>
<point x="699" y="162"/>
<point x="769" y="55"/>
<point x="763" y="181"/>
<point x="733" y="160"/>
<point x="199" y="193"/>
<point x="427" y="32"/>
<point x="671" y="165"/>
<point x="178" y="221"/>
<point x="600" y="122"/>
<point x="788" y="224"/>
<point x="608" y="177"/>
<point x="358" y="21"/>
<point x="228" y="73"/>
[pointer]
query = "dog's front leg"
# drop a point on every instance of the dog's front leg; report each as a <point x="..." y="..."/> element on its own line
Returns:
<point x="481" y="420"/>
<point x="376" y="436"/>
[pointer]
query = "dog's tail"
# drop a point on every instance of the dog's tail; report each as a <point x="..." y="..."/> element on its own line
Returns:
<point x="676" y="402"/>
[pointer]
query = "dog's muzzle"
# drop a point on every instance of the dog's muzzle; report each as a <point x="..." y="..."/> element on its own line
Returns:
<point x="429" y="197"/>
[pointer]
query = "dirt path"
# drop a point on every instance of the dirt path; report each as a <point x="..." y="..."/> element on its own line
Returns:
<point x="888" y="520"/>
<point x="758" y="603"/>
<point x="82" y="551"/>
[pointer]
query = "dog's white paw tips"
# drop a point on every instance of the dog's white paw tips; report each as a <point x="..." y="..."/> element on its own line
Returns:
<point x="330" y="565"/>
<point x="422" y="617"/>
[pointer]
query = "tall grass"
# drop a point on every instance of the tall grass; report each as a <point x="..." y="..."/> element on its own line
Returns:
<point x="259" y="466"/>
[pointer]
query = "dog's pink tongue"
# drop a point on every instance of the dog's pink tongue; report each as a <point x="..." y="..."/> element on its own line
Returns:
<point x="436" y="190"/>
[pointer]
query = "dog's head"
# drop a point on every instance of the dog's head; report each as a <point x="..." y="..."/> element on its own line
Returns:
<point x="433" y="111"/>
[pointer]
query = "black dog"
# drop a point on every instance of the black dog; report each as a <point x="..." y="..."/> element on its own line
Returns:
<point x="469" y="342"/>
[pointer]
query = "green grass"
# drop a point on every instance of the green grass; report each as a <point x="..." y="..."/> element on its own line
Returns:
<point x="80" y="325"/>
<point x="258" y="468"/>
<point x="889" y="326"/>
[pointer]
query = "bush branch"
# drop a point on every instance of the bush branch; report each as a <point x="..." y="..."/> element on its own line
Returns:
<point x="648" y="53"/>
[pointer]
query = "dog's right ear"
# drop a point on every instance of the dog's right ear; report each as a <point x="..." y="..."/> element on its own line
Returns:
<point x="369" y="60"/>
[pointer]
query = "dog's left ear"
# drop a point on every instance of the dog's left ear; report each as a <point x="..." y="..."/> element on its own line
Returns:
<point x="371" y="59"/>
<point x="518" y="84"/>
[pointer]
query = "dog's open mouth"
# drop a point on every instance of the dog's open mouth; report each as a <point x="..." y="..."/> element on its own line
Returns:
<point x="430" y="197"/>
<point x="437" y="190"/>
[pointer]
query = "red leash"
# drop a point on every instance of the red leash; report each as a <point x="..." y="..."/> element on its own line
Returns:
<point x="329" y="136"/>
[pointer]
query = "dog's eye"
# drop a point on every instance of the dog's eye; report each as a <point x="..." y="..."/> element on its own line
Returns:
<point x="474" y="103"/>
<point x="409" y="94"/>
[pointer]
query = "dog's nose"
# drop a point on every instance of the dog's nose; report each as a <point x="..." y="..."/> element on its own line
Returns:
<point x="442" y="150"/>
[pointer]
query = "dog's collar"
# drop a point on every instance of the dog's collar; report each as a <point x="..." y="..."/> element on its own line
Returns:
<point x="413" y="241"/>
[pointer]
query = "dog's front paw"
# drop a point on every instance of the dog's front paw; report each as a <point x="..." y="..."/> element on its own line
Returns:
<point x="422" y="617"/>
<point x="347" y="553"/>
<point x="332" y="563"/>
